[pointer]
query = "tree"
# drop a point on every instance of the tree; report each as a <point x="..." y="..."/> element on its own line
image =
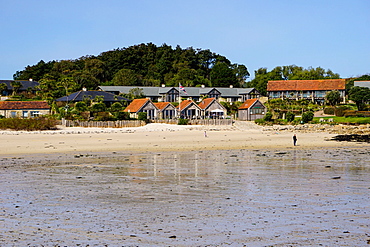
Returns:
<point x="16" y="85"/>
<point x="307" y="116"/>
<point x="333" y="97"/>
<point x="116" y="107"/>
<point x="290" y="116"/>
<point x="241" y="73"/>
<point x="126" y="77"/>
<point x="361" y="96"/>
<point x="222" y="75"/>
<point x="3" y="87"/>
<point x="81" y="106"/>
<point x="135" y="93"/>
<point x="98" y="107"/>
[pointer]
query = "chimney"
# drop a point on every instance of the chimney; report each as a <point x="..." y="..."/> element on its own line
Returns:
<point x="163" y="85"/>
<point x="30" y="79"/>
<point x="203" y="86"/>
<point x="231" y="86"/>
<point x="84" y="89"/>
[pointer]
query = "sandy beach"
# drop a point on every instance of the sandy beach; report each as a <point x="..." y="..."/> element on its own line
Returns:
<point x="159" y="137"/>
<point x="163" y="185"/>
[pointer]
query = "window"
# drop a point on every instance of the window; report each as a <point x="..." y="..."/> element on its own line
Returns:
<point x="25" y="114"/>
<point x="35" y="113"/>
<point x="13" y="114"/>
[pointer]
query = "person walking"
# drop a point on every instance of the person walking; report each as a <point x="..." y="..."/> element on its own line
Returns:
<point x="295" y="140"/>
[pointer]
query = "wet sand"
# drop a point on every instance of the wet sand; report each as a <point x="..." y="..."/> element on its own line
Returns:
<point x="253" y="196"/>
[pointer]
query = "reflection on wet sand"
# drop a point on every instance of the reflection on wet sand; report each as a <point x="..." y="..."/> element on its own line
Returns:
<point x="194" y="198"/>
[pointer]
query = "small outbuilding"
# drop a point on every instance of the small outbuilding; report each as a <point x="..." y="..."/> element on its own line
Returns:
<point x="166" y="110"/>
<point x="211" y="108"/>
<point x="24" y="109"/>
<point x="189" y="109"/>
<point x="142" y="105"/>
<point x="251" y="110"/>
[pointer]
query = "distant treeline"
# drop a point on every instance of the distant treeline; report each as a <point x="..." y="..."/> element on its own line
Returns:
<point x="139" y="65"/>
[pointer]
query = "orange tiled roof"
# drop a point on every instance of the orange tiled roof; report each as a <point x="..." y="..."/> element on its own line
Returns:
<point x="18" y="105"/>
<point x="205" y="103"/>
<point x="185" y="103"/>
<point x="248" y="103"/>
<point x="136" y="105"/>
<point x="307" y="85"/>
<point x="161" y="105"/>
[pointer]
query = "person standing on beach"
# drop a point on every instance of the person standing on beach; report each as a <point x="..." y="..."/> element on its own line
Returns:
<point x="294" y="140"/>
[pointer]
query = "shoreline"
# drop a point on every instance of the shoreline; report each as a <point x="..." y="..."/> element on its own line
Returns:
<point x="162" y="137"/>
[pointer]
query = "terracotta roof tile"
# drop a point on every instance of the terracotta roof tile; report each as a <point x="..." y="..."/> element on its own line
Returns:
<point x="248" y="103"/>
<point x="136" y="105"/>
<point x="307" y="85"/>
<point x="205" y="103"/>
<point x="18" y="105"/>
<point x="185" y="103"/>
<point x="161" y="105"/>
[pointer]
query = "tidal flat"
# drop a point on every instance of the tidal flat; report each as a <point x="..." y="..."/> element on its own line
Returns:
<point x="261" y="197"/>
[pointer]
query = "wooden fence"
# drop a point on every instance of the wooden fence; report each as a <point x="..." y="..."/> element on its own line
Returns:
<point x="138" y="123"/>
<point x="197" y="121"/>
<point x="102" y="124"/>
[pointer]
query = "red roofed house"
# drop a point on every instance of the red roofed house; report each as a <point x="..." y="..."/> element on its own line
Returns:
<point x="166" y="110"/>
<point x="142" y="105"/>
<point x="23" y="109"/>
<point x="251" y="110"/>
<point x="189" y="109"/>
<point x="314" y="90"/>
<point x="211" y="108"/>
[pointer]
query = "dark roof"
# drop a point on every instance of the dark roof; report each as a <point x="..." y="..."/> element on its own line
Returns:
<point x="18" y="105"/>
<point x="191" y="91"/>
<point x="81" y="95"/>
<point x="25" y="84"/>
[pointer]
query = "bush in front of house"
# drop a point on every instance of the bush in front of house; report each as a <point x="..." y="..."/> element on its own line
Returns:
<point x="290" y="116"/>
<point x="183" y="121"/>
<point x="142" y="116"/>
<point x="307" y="116"/>
<point x="28" y="124"/>
<point x="268" y="117"/>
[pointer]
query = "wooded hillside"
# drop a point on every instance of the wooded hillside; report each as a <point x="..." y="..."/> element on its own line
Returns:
<point x="139" y="65"/>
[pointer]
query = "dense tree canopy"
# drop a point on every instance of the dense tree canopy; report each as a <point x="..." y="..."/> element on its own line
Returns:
<point x="291" y="72"/>
<point x="361" y="96"/>
<point x="138" y="65"/>
<point x="333" y="97"/>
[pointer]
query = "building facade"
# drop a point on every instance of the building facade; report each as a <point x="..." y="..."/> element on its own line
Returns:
<point x="23" y="109"/>
<point x="313" y="90"/>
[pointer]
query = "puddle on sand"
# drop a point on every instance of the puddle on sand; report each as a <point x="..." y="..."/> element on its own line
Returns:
<point x="203" y="198"/>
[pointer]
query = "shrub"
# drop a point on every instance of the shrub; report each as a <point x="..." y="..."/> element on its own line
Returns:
<point x="29" y="124"/>
<point x="183" y="121"/>
<point x="307" y="116"/>
<point x="142" y="116"/>
<point x="122" y="115"/>
<point x="290" y="116"/>
<point x="339" y="112"/>
<point x="260" y="121"/>
<point x="329" y="110"/>
<point x="268" y="117"/>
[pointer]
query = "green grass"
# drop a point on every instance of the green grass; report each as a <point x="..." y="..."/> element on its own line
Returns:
<point x="355" y="120"/>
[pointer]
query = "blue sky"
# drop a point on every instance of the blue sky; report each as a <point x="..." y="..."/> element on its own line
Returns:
<point x="332" y="34"/>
